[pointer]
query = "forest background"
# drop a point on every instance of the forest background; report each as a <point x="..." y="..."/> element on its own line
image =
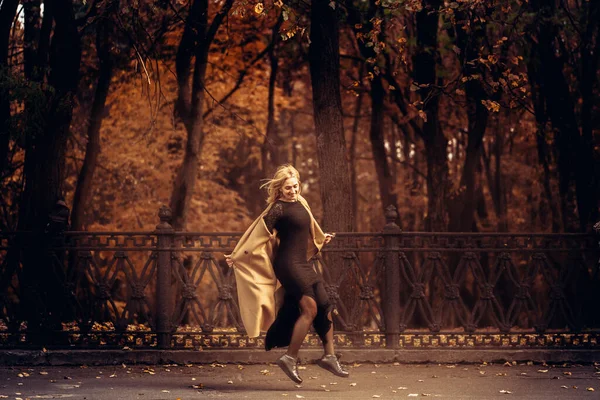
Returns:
<point x="472" y="115"/>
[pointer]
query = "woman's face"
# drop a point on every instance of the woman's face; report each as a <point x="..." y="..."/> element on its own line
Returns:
<point x="290" y="190"/>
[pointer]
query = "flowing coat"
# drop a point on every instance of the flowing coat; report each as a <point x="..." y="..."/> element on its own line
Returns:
<point x="255" y="278"/>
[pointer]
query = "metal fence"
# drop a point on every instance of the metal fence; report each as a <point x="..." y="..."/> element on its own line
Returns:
<point x="394" y="289"/>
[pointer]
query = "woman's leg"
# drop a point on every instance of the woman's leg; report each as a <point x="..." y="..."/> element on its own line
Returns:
<point x="330" y="361"/>
<point x="308" y="309"/>
<point x="328" y="343"/>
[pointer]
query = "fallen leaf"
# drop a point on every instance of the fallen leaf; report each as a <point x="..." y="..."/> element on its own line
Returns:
<point x="425" y="394"/>
<point x="165" y="391"/>
<point x="230" y="382"/>
<point x="564" y="387"/>
<point x="402" y="388"/>
<point x="567" y="373"/>
<point x="543" y="371"/>
<point x="198" y="386"/>
<point x="396" y="364"/>
<point x="376" y="396"/>
<point x="505" y="392"/>
<point x="412" y="395"/>
<point x="43" y="373"/>
<point x="298" y="386"/>
<point x="333" y="383"/>
<point x="523" y="373"/>
<point x="590" y="389"/>
<point x="299" y="397"/>
<point x="240" y="367"/>
<point x="113" y="376"/>
<point x="264" y="371"/>
<point x="501" y="374"/>
<point x="301" y="367"/>
<point x="353" y="384"/>
<point x="482" y="372"/>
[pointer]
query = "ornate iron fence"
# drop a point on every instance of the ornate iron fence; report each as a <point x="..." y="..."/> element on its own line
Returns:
<point x="393" y="289"/>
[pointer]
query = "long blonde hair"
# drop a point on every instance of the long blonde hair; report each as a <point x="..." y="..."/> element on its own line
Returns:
<point x="274" y="185"/>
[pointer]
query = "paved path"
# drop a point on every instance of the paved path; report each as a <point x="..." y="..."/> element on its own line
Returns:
<point x="266" y="382"/>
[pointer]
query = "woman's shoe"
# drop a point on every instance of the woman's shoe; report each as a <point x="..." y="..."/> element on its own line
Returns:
<point x="288" y="365"/>
<point x="331" y="364"/>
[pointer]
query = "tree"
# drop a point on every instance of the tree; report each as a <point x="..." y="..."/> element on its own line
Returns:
<point x="324" y="59"/>
<point x="195" y="43"/>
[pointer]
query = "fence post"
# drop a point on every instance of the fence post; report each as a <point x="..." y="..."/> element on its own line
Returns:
<point x="391" y="294"/>
<point x="164" y="234"/>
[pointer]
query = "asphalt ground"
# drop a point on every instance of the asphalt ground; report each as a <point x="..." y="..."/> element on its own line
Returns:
<point x="266" y="382"/>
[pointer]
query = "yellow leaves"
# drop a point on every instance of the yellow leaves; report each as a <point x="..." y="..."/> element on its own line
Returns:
<point x="493" y="107"/>
<point x="259" y="8"/>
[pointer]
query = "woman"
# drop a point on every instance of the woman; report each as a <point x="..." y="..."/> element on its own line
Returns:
<point x="275" y="250"/>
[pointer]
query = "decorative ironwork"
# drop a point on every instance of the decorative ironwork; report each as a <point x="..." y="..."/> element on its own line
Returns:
<point x="390" y="289"/>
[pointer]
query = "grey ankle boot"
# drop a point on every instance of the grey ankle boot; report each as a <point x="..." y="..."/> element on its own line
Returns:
<point x="288" y="365"/>
<point x="331" y="364"/>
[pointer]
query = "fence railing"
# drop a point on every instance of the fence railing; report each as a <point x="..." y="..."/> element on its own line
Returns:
<point x="393" y="289"/>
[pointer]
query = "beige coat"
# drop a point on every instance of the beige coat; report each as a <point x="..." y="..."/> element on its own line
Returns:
<point x="255" y="278"/>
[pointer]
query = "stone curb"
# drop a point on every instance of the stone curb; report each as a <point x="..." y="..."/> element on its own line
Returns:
<point x="256" y="356"/>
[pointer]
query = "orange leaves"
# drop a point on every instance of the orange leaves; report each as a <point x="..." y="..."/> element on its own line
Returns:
<point x="491" y="105"/>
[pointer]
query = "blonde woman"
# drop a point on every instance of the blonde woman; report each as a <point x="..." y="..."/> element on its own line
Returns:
<point x="275" y="250"/>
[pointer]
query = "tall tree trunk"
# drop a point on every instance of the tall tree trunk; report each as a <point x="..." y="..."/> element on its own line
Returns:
<point x="271" y="145"/>
<point x="43" y="281"/>
<point x="387" y="193"/>
<point x="424" y="66"/>
<point x="185" y="181"/>
<point x="541" y="117"/>
<point x="560" y="106"/>
<point x="8" y="10"/>
<point x="83" y="189"/>
<point x="588" y="181"/>
<point x="331" y="145"/>
<point x="352" y="156"/>
<point x="463" y="205"/>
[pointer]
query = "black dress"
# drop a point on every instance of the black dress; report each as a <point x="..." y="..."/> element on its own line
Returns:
<point x="297" y="276"/>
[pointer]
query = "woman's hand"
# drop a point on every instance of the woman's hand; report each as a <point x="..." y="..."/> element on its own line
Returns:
<point x="229" y="260"/>
<point x="328" y="237"/>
